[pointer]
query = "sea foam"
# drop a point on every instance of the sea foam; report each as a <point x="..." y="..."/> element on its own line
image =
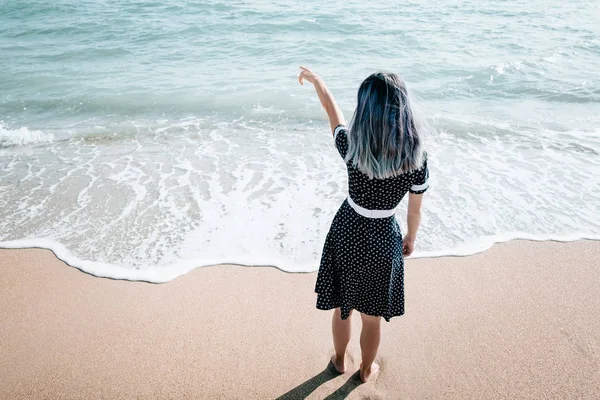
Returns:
<point x="167" y="273"/>
<point x="22" y="136"/>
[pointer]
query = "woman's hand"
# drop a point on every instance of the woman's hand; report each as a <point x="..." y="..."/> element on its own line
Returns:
<point x="408" y="245"/>
<point x="325" y="97"/>
<point x="308" y="75"/>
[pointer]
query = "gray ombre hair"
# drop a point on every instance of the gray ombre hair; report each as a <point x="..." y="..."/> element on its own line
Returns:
<point x="385" y="139"/>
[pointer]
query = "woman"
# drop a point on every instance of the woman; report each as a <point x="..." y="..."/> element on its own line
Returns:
<point x="362" y="266"/>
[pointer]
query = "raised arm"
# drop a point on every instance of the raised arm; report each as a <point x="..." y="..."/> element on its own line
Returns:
<point x="327" y="100"/>
<point x="413" y="220"/>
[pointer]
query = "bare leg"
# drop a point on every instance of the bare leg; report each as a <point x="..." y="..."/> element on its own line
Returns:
<point x="341" y="330"/>
<point x="370" y="337"/>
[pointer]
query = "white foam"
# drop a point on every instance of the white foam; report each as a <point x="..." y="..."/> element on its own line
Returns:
<point x="178" y="268"/>
<point x="22" y="136"/>
<point x="261" y="192"/>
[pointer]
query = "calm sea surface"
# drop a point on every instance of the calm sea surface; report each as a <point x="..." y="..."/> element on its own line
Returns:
<point x="141" y="139"/>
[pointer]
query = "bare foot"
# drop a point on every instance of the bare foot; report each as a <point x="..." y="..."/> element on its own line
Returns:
<point x="368" y="374"/>
<point x="340" y="365"/>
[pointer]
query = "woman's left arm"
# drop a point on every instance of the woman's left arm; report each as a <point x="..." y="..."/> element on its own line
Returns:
<point x="336" y="117"/>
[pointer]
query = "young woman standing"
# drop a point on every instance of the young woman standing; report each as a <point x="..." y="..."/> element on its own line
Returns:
<point x="362" y="266"/>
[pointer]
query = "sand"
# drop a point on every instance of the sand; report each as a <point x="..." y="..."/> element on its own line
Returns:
<point x="520" y="321"/>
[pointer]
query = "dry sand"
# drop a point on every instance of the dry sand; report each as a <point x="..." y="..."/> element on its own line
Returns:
<point x="521" y="320"/>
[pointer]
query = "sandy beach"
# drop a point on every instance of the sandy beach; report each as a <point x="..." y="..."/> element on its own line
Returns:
<point x="519" y="321"/>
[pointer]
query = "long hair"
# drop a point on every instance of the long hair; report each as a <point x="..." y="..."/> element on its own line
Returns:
<point x="385" y="140"/>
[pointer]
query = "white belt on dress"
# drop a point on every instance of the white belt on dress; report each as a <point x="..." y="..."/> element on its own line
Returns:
<point x="370" y="213"/>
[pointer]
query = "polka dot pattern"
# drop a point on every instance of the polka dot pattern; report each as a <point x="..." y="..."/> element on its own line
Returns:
<point x="362" y="266"/>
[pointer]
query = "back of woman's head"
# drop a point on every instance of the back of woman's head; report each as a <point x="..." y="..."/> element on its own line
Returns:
<point x="385" y="140"/>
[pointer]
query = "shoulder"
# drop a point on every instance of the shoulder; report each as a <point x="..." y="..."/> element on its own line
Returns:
<point x="341" y="128"/>
<point x="340" y="138"/>
<point x="422" y="163"/>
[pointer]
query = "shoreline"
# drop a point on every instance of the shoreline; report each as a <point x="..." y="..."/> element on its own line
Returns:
<point x="517" y="321"/>
<point x="167" y="273"/>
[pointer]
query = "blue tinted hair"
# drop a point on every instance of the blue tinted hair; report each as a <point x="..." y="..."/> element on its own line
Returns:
<point x="385" y="140"/>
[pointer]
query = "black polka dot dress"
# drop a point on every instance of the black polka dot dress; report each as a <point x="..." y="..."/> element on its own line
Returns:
<point x="362" y="266"/>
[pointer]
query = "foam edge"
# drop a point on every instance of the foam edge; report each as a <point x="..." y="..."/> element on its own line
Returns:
<point x="167" y="273"/>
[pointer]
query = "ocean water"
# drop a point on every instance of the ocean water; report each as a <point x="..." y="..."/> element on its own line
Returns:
<point x="141" y="139"/>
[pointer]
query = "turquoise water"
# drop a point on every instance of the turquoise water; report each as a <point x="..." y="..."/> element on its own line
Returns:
<point x="145" y="138"/>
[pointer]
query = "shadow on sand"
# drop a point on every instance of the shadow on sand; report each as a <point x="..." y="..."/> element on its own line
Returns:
<point x="303" y="390"/>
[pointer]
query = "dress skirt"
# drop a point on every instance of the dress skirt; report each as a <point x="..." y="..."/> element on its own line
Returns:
<point x="362" y="266"/>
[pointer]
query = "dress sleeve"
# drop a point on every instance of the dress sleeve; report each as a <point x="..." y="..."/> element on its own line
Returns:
<point x="340" y="137"/>
<point x="421" y="182"/>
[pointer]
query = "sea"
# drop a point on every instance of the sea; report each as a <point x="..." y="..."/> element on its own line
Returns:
<point x="142" y="139"/>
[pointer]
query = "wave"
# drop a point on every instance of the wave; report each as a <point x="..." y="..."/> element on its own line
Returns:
<point x="22" y="136"/>
<point x="169" y="272"/>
